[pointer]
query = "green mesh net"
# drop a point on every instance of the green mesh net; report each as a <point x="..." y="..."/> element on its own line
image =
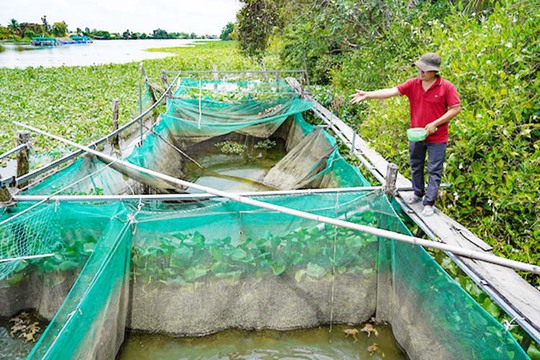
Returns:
<point x="191" y="268"/>
<point x="28" y="234"/>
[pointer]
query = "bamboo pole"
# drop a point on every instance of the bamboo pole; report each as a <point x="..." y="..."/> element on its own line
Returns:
<point x="321" y="219"/>
<point x="197" y="196"/>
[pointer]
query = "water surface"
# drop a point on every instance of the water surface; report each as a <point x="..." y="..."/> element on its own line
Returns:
<point x="97" y="53"/>
<point x="316" y="344"/>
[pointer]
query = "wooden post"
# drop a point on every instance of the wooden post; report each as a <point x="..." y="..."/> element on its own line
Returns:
<point x="114" y="140"/>
<point x="390" y="179"/>
<point x="263" y="66"/>
<point x="215" y="72"/>
<point x="22" y="137"/>
<point x="154" y="100"/>
<point x="5" y="196"/>
<point x="165" y="81"/>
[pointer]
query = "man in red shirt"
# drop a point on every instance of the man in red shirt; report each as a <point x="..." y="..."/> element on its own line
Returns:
<point x="434" y="101"/>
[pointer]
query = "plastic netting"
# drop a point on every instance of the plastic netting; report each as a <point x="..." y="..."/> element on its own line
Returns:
<point x="93" y="315"/>
<point x="197" y="267"/>
<point x="29" y="234"/>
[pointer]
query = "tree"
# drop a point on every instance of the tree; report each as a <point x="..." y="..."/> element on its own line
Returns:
<point x="101" y="34"/>
<point x="256" y="22"/>
<point x="160" y="34"/>
<point x="14" y="27"/>
<point x="126" y="34"/>
<point x="4" y="34"/>
<point x="59" y="29"/>
<point x="226" y="32"/>
<point x="45" y="25"/>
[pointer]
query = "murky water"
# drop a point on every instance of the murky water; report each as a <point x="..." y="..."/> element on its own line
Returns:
<point x="233" y="172"/>
<point x="318" y="343"/>
<point x="97" y="53"/>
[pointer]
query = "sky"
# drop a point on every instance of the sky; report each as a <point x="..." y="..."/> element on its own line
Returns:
<point x="202" y="17"/>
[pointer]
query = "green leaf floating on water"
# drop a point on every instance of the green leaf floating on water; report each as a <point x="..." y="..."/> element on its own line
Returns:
<point x="315" y="270"/>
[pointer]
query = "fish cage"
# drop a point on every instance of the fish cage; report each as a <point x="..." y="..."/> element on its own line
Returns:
<point x="167" y="239"/>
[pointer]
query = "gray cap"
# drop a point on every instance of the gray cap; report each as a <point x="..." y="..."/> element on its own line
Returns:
<point x="429" y="62"/>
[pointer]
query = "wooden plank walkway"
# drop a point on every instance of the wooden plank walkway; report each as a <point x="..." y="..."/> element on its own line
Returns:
<point x="509" y="290"/>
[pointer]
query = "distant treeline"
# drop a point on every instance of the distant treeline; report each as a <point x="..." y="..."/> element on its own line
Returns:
<point x="16" y="31"/>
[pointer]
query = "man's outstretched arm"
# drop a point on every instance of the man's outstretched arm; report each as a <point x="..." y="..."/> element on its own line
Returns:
<point x="377" y="94"/>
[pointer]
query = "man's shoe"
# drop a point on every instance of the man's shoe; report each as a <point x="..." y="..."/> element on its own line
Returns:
<point x="413" y="199"/>
<point x="428" y="211"/>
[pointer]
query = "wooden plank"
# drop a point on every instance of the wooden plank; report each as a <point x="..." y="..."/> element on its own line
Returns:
<point x="520" y="299"/>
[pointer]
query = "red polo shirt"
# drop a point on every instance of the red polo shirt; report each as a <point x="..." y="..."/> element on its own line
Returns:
<point x="428" y="106"/>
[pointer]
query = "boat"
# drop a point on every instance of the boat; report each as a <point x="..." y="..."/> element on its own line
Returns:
<point x="75" y="39"/>
<point x="44" y="41"/>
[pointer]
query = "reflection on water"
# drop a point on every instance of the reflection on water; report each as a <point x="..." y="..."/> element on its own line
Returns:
<point x="96" y="53"/>
<point x="319" y="343"/>
<point x="233" y="173"/>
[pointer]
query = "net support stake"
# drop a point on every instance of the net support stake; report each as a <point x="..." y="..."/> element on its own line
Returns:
<point x="390" y="179"/>
<point x="114" y="140"/>
<point x="165" y="81"/>
<point x="22" y="138"/>
<point x="5" y="196"/>
<point x="473" y="254"/>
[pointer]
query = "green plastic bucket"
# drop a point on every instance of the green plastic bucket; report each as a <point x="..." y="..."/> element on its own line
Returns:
<point x="416" y="134"/>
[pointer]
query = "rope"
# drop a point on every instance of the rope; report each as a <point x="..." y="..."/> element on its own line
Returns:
<point x="334" y="268"/>
<point x="333" y="280"/>
<point x="174" y="147"/>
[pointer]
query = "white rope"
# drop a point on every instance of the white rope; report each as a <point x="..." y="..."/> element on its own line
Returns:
<point x="332" y="292"/>
<point x="322" y="219"/>
<point x="26" y="257"/>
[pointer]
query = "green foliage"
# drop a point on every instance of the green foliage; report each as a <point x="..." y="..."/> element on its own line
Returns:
<point x="494" y="150"/>
<point x="305" y="252"/>
<point x="256" y="21"/>
<point x="265" y="144"/>
<point x="497" y="172"/>
<point x="226" y="32"/>
<point x="59" y="29"/>
<point x="494" y="154"/>
<point x="231" y="147"/>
